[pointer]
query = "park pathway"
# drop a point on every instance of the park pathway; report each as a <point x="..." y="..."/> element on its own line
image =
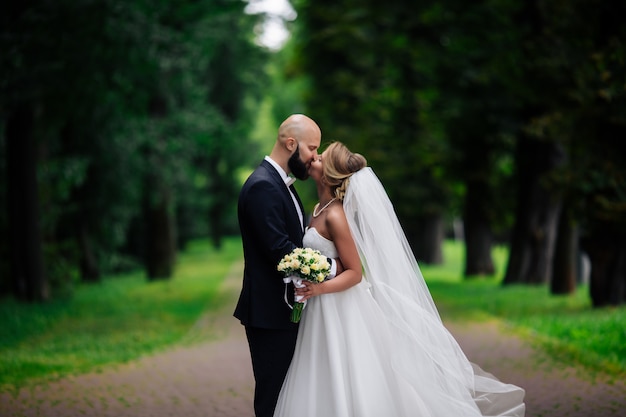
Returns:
<point x="214" y="378"/>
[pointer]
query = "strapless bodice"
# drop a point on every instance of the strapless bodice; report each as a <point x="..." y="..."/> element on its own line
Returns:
<point x="312" y="239"/>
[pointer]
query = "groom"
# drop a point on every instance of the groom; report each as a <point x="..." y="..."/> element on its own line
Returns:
<point x="272" y="221"/>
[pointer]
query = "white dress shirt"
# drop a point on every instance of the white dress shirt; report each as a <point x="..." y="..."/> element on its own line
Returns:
<point x="288" y="181"/>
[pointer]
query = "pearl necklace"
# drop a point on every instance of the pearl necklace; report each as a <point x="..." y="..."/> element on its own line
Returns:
<point x="320" y="212"/>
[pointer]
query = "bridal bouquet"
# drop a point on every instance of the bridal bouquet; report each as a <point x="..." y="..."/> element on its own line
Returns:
<point x="303" y="264"/>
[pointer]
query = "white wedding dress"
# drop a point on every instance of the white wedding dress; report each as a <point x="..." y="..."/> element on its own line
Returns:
<point x="376" y="350"/>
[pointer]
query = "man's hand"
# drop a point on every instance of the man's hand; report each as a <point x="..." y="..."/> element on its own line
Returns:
<point x="337" y="266"/>
<point x="340" y="267"/>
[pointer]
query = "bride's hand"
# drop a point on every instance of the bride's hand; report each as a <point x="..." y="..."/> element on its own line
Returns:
<point x="309" y="290"/>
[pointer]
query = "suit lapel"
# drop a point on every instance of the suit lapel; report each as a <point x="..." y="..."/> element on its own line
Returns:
<point x="272" y="171"/>
<point x="279" y="180"/>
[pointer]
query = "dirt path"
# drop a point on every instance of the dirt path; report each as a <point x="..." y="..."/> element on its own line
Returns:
<point x="553" y="389"/>
<point x="214" y="378"/>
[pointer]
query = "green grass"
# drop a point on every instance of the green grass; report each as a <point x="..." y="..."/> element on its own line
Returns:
<point x="566" y="326"/>
<point x="119" y="319"/>
<point x="126" y="317"/>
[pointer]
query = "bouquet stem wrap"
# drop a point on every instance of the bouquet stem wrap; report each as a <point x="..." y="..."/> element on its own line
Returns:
<point x="298" y="306"/>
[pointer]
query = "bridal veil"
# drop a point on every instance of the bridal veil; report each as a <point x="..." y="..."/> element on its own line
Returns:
<point x="425" y="353"/>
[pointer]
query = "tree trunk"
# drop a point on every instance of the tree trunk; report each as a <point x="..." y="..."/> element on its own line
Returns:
<point x="89" y="271"/>
<point x="158" y="209"/>
<point x="25" y="239"/>
<point x="607" y="253"/>
<point x="74" y="223"/>
<point x="216" y="216"/>
<point x="565" y="264"/>
<point x="428" y="242"/>
<point x="216" y="209"/>
<point x="537" y="213"/>
<point x="160" y="234"/>
<point x="477" y="231"/>
<point x="618" y="276"/>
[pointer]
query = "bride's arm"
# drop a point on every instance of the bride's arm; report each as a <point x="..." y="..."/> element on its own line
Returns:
<point x="337" y="226"/>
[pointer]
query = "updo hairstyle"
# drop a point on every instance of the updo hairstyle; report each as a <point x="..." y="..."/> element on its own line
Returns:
<point x="338" y="165"/>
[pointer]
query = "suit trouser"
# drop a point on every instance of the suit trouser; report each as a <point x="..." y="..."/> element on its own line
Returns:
<point x="271" y="351"/>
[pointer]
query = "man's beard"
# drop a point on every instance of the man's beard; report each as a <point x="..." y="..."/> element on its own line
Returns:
<point x="297" y="167"/>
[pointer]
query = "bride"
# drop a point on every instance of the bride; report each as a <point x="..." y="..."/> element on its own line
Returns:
<point x="371" y="342"/>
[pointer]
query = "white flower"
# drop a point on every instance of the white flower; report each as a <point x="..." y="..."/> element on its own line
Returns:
<point x="306" y="263"/>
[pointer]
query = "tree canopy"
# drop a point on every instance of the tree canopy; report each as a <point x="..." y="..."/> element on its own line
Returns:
<point x="124" y="123"/>
<point x="504" y="113"/>
<point x="127" y="128"/>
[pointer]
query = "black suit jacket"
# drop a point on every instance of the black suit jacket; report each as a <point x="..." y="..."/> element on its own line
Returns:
<point x="270" y="228"/>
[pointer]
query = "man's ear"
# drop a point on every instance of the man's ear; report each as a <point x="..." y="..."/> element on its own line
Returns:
<point x="292" y="144"/>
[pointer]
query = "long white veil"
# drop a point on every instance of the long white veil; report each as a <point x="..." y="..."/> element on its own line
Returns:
<point x="426" y="353"/>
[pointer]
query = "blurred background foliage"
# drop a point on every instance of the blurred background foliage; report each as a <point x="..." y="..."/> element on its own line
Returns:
<point x="128" y="128"/>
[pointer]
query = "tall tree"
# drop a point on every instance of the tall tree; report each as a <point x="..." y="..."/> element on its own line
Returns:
<point x="23" y="206"/>
<point x="123" y="117"/>
<point x="575" y="117"/>
<point x="365" y="76"/>
<point x="595" y="123"/>
<point x="27" y="269"/>
<point x="468" y="54"/>
<point x="536" y="216"/>
<point x="233" y="83"/>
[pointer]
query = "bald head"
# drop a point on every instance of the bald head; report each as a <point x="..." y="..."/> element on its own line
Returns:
<point x="297" y="133"/>
<point x="298" y="126"/>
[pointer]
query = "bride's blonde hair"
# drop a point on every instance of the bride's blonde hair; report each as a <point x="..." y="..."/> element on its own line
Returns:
<point x="339" y="164"/>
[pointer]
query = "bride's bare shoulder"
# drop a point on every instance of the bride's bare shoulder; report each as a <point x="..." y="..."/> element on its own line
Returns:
<point x="336" y="217"/>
